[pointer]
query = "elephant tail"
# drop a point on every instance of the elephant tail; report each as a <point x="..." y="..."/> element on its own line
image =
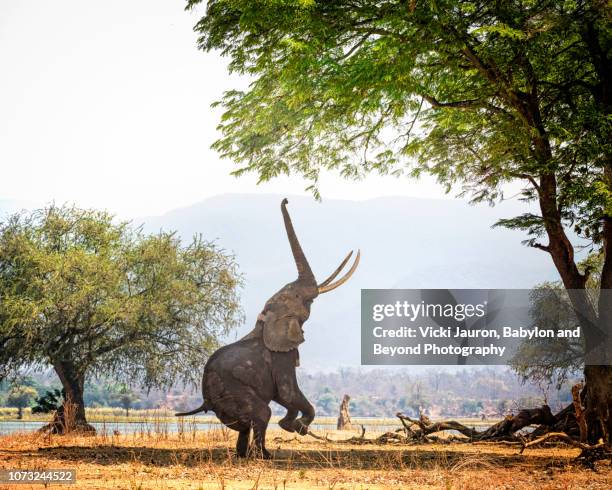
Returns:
<point x="202" y="408"/>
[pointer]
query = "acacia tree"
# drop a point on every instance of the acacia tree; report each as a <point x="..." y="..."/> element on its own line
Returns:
<point x="91" y="297"/>
<point x="477" y="93"/>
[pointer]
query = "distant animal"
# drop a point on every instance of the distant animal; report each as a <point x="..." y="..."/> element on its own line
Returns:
<point x="240" y="379"/>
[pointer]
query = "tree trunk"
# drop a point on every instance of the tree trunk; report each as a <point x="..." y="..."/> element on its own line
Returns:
<point x="71" y="415"/>
<point x="595" y="320"/>
<point x="598" y="403"/>
<point x="19" y="413"/>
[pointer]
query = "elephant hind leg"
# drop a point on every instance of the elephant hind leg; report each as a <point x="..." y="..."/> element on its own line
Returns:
<point x="260" y="417"/>
<point x="245" y="412"/>
<point x="244" y="432"/>
<point x="242" y="445"/>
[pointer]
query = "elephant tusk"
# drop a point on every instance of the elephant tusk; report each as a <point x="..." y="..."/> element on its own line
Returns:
<point x="341" y="281"/>
<point x="336" y="272"/>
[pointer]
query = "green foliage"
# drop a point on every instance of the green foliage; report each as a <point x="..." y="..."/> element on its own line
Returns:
<point x="51" y="401"/>
<point x="477" y="93"/>
<point x="76" y="287"/>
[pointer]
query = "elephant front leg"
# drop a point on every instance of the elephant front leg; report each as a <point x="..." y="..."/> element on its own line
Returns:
<point x="288" y="420"/>
<point x="308" y="414"/>
<point x="294" y="405"/>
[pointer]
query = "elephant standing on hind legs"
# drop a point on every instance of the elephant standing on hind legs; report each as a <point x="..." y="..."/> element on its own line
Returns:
<point x="241" y="379"/>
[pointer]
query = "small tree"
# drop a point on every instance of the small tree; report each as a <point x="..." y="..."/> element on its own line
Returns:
<point x="20" y="397"/>
<point x="93" y="297"/>
<point x="326" y="402"/>
<point x="125" y="398"/>
<point x="554" y="360"/>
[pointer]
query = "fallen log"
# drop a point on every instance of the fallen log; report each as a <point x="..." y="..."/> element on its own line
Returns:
<point x="503" y="430"/>
<point x="565" y="421"/>
<point x="386" y="438"/>
<point x="423" y="430"/>
<point x="426" y="427"/>
<point x="507" y="431"/>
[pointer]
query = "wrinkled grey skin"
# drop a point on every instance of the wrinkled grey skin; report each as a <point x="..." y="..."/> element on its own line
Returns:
<point x="240" y="379"/>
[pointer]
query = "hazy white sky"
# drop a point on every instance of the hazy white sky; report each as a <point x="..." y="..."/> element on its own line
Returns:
<point x="107" y="104"/>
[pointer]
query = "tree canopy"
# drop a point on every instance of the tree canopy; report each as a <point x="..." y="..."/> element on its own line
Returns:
<point x="471" y="91"/>
<point x="477" y="93"/>
<point x="90" y="296"/>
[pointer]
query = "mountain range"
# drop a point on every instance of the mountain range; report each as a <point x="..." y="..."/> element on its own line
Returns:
<point x="405" y="243"/>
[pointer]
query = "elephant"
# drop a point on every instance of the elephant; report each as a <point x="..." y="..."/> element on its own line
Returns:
<point x="242" y="378"/>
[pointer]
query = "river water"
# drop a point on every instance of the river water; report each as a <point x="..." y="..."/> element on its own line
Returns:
<point x="144" y="427"/>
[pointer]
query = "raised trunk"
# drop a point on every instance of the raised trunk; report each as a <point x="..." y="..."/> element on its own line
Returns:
<point x="304" y="271"/>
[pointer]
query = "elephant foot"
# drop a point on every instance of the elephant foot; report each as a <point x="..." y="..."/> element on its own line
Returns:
<point x="300" y="427"/>
<point x="258" y="452"/>
<point x="287" y="425"/>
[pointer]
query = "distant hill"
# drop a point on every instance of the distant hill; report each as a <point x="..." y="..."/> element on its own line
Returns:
<point x="405" y="243"/>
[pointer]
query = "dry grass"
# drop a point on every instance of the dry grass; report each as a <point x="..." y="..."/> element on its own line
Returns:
<point x="204" y="460"/>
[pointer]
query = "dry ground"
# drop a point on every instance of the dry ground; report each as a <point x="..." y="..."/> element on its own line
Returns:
<point x="204" y="460"/>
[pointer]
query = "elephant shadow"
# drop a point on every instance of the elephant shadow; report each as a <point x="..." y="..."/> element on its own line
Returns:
<point x="349" y="457"/>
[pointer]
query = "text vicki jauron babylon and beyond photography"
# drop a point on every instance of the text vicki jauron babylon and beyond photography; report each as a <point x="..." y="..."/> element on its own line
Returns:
<point x="458" y="332"/>
<point x="458" y="350"/>
<point x="469" y="326"/>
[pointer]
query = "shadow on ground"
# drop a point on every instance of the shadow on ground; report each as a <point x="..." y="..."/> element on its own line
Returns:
<point x="354" y="458"/>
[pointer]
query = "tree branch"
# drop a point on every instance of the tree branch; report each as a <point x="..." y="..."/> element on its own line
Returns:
<point x="539" y="246"/>
<point x="469" y="103"/>
<point x="565" y="438"/>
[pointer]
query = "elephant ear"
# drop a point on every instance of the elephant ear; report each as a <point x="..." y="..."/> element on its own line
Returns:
<point x="281" y="334"/>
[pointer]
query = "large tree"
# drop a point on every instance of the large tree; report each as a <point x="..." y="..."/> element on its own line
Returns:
<point x="90" y="296"/>
<point x="477" y="93"/>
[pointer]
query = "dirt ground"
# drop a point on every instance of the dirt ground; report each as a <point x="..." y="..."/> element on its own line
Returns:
<point x="205" y="460"/>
